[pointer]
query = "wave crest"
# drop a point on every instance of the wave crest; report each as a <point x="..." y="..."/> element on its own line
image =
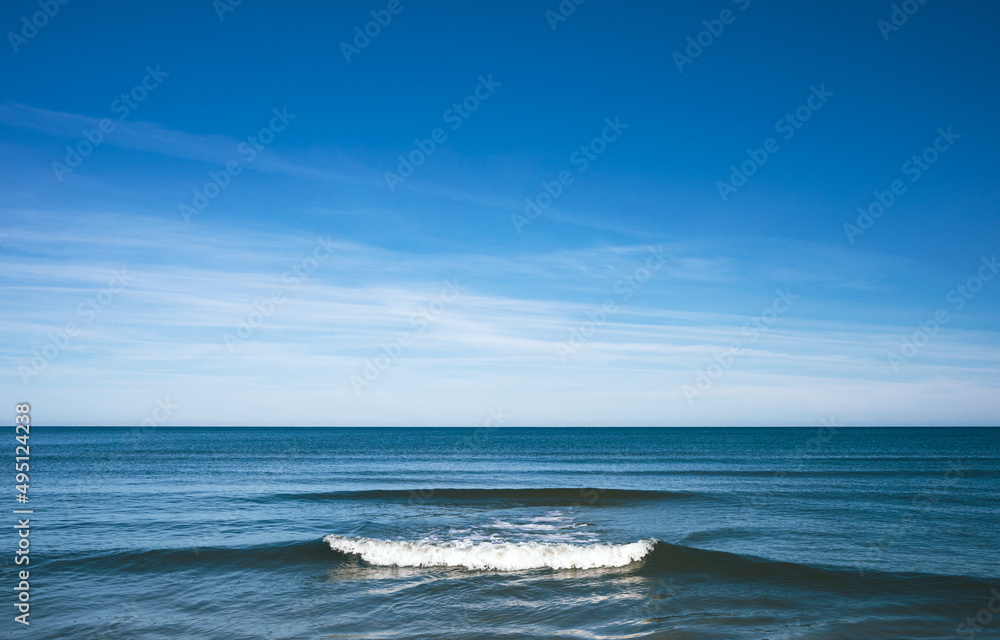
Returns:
<point x="498" y="556"/>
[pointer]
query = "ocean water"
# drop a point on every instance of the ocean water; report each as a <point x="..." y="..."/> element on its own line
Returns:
<point x="228" y="533"/>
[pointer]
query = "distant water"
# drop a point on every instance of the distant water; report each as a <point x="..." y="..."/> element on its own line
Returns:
<point x="226" y="534"/>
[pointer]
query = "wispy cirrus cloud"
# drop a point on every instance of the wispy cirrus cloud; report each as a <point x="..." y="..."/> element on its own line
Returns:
<point x="187" y="289"/>
<point x="153" y="138"/>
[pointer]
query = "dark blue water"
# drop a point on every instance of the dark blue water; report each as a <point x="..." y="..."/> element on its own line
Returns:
<point x="512" y="533"/>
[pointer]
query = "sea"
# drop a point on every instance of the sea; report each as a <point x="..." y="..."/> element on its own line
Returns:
<point x="821" y="532"/>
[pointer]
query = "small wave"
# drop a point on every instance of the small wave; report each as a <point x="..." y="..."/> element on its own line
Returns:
<point x="498" y="556"/>
<point x="550" y="496"/>
<point x="262" y="556"/>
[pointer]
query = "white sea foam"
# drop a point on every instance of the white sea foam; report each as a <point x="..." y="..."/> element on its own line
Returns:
<point x="500" y="556"/>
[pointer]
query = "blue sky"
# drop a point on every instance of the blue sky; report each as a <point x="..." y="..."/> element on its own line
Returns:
<point x="310" y="289"/>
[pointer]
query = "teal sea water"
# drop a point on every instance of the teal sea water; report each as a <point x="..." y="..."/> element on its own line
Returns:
<point x="489" y="533"/>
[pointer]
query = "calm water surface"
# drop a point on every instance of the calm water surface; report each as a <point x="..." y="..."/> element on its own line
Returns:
<point x="228" y="534"/>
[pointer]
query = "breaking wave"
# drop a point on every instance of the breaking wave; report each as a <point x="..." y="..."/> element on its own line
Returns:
<point x="498" y="556"/>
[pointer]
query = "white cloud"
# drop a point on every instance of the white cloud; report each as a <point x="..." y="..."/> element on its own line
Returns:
<point x="163" y="336"/>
